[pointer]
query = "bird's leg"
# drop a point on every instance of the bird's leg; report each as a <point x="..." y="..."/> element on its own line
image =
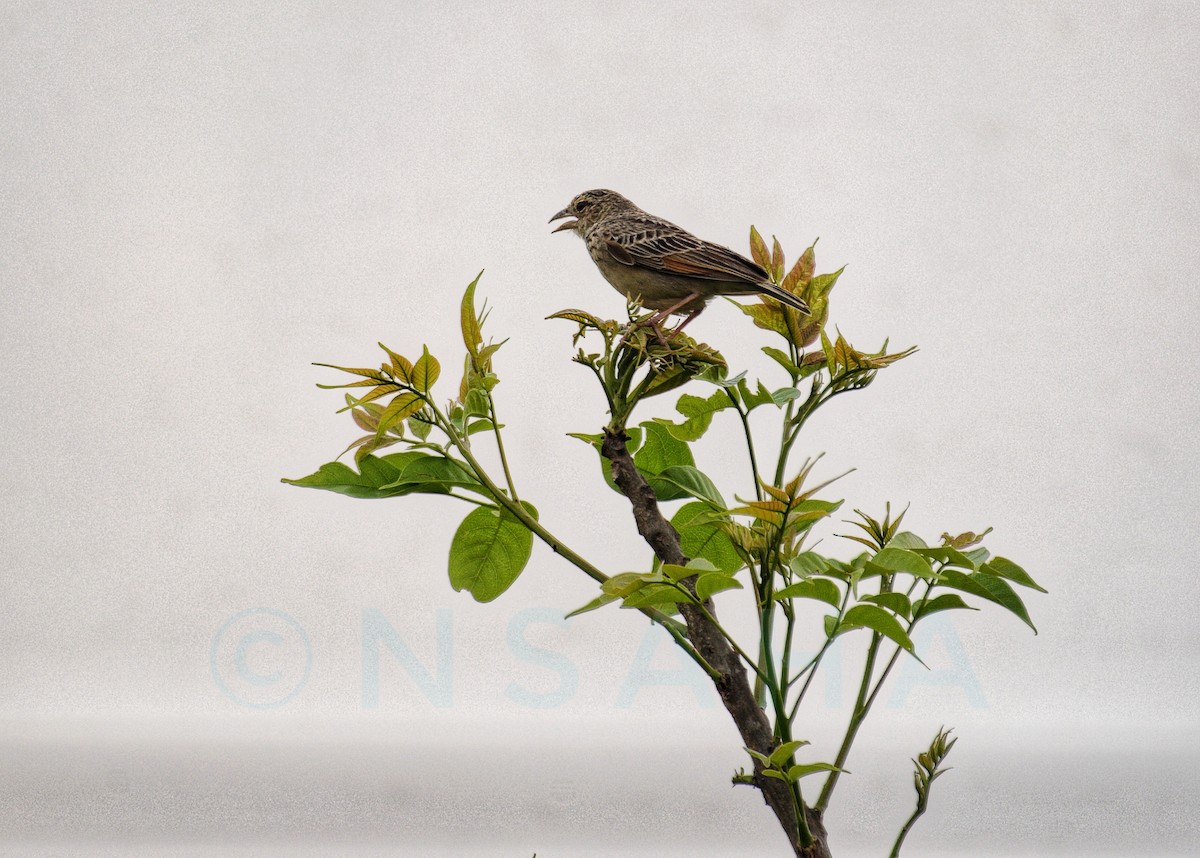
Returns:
<point x="687" y="319"/>
<point x="662" y="314"/>
<point x="663" y="339"/>
<point x="656" y="320"/>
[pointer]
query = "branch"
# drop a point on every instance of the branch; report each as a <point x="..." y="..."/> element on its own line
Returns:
<point x="732" y="684"/>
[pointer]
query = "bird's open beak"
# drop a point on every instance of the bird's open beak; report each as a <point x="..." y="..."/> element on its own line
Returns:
<point x="567" y="225"/>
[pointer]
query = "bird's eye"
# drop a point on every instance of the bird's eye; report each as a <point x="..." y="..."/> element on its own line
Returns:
<point x="580" y="205"/>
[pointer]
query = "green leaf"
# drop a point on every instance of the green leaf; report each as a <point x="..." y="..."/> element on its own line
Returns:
<point x="798" y="771"/>
<point x="368" y="444"/>
<point x="430" y="474"/>
<point x="900" y="560"/>
<point x="907" y="539"/>
<point x="692" y="482"/>
<point x="702" y="537"/>
<point x="661" y="450"/>
<point x="340" y="478"/>
<point x="593" y="440"/>
<point x="719" y="376"/>
<point x="695" y="566"/>
<point x="821" y="589"/>
<point x="811" y="510"/>
<point x="373" y="374"/>
<point x="944" y="602"/>
<point x="393" y="475"/>
<point x="472" y="331"/>
<point x="978" y="556"/>
<point x="475" y="403"/>
<point x="488" y="552"/>
<point x="399" y="364"/>
<point x="831" y="355"/>
<point x="402" y="406"/>
<point x="782" y="358"/>
<point x="598" y="602"/>
<point x="637" y="437"/>
<point x="822" y="284"/>
<point x="801" y="272"/>
<point x="711" y="583"/>
<point x="699" y="412"/>
<point x="581" y="317"/>
<point x="812" y="362"/>
<point x="365" y="413"/>
<point x="380" y="471"/>
<point x="761" y="396"/>
<point x="877" y="619"/>
<point x="419" y="424"/>
<point x="485" y="353"/>
<point x="765" y="316"/>
<point x="770" y="511"/>
<point x="762" y="758"/>
<point x="1002" y="567"/>
<point x="838" y="569"/>
<point x="857" y="566"/>
<point x="425" y="371"/>
<point x="784" y="395"/>
<point x="945" y="554"/>
<point x="784" y="753"/>
<point x="378" y="389"/>
<point x="989" y="587"/>
<point x="688" y="360"/>
<point x="897" y="603"/>
<point x="810" y="563"/>
<point x="758" y="250"/>
<point x="377" y="477"/>
<point x="652" y="595"/>
<point x="483" y="425"/>
<point x="625" y="583"/>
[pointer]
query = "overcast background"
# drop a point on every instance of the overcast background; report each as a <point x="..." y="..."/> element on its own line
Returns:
<point x="199" y="200"/>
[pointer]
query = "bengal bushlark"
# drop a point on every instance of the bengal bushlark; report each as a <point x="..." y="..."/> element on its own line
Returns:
<point x="653" y="261"/>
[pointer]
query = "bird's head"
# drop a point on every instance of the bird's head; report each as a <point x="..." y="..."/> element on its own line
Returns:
<point x="590" y="207"/>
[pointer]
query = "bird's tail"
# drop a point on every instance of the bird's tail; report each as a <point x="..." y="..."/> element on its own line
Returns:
<point x="784" y="296"/>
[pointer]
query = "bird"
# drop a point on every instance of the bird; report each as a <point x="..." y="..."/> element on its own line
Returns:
<point x="663" y="266"/>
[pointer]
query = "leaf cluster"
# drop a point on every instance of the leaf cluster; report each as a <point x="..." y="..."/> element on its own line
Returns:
<point x="779" y="763"/>
<point x="492" y="545"/>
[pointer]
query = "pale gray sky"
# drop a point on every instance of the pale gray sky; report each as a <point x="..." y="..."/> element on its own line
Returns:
<point x="198" y="200"/>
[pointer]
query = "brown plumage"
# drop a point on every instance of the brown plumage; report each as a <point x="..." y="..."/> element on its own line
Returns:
<point x="667" y="268"/>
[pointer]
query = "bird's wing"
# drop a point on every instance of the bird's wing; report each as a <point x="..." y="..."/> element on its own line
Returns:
<point x="648" y="242"/>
